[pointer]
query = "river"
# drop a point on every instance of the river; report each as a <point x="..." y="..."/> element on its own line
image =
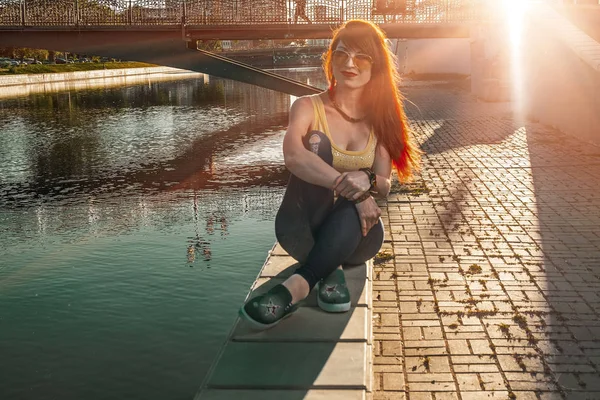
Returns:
<point x="133" y="221"/>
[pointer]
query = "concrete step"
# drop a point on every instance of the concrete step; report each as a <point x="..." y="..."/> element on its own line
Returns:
<point x="360" y="290"/>
<point x="223" y="394"/>
<point x="311" y="355"/>
<point x="291" y="365"/>
<point x="311" y="324"/>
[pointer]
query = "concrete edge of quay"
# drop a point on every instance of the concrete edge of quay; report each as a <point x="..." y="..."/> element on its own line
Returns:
<point x="335" y="350"/>
<point x="32" y="79"/>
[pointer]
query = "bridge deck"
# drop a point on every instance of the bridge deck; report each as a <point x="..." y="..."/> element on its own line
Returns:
<point x="236" y="15"/>
<point x="258" y="31"/>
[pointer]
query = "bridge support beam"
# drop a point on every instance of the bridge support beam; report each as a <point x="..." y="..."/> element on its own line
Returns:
<point x="161" y="48"/>
<point x="224" y="67"/>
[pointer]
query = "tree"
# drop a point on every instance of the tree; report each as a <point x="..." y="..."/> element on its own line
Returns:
<point x="37" y="54"/>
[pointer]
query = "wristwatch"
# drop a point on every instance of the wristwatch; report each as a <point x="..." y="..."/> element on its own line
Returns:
<point x="371" y="175"/>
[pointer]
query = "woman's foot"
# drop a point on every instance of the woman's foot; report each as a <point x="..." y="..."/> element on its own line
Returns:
<point x="267" y="310"/>
<point x="333" y="294"/>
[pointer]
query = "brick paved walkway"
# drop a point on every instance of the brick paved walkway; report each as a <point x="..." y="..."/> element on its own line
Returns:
<point x="493" y="290"/>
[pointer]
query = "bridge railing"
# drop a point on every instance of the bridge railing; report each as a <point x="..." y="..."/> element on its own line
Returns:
<point x="81" y="13"/>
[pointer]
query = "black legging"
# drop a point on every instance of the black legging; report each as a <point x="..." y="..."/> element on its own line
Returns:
<point x="319" y="234"/>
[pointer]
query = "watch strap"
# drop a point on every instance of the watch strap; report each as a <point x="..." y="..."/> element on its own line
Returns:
<point x="372" y="177"/>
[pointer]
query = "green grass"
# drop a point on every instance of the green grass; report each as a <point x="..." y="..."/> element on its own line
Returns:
<point x="51" y="68"/>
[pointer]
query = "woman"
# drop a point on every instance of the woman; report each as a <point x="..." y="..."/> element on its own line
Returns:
<point x="339" y="147"/>
<point x="300" y="11"/>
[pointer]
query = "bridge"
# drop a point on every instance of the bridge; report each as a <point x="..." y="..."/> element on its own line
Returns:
<point x="166" y="32"/>
<point x="243" y="19"/>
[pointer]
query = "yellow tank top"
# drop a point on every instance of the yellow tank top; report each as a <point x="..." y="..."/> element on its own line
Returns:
<point x="343" y="160"/>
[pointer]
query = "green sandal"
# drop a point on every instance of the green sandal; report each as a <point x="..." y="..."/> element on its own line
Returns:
<point x="267" y="310"/>
<point x="333" y="294"/>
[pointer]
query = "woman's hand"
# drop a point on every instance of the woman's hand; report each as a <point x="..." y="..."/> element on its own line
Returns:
<point x="368" y="213"/>
<point x="352" y="185"/>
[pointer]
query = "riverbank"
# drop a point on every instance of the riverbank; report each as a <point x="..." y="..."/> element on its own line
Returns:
<point x="25" y="79"/>
<point x="63" y="68"/>
<point x="23" y="85"/>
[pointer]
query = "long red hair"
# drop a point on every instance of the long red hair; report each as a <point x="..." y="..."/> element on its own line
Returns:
<point x="382" y="98"/>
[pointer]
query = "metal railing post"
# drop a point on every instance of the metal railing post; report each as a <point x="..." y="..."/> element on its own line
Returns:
<point x="129" y="14"/>
<point x="447" y="9"/>
<point x="22" y="12"/>
<point x="76" y="12"/>
<point x="183" y="13"/>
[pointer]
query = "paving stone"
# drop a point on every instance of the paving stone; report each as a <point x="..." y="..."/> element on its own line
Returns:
<point x="392" y="348"/>
<point x="477" y="359"/>
<point x="432" y="386"/>
<point x="388" y="368"/>
<point x="389" y="395"/>
<point x="475" y="368"/>
<point x="458" y="347"/>
<point x="429" y="377"/>
<point x="479" y="394"/>
<point x="393" y="381"/>
<point x="492" y="381"/>
<point x="468" y="382"/>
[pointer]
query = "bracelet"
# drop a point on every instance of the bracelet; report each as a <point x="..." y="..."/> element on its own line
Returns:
<point x="363" y="197"/>
<point x="372" y="177"/>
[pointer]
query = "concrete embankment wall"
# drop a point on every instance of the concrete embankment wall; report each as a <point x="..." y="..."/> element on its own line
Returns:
<point x="29" y="79"/>
<point x="562" y="76"/>
<point x="23" y="85"/>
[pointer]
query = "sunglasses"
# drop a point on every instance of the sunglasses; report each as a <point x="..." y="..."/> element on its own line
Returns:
<point x="362" y="61"/>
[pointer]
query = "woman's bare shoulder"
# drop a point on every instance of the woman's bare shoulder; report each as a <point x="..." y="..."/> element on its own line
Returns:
<point x="302" y="106"/>
<point x="305" y="100"/>
<point x="302" y="102"/>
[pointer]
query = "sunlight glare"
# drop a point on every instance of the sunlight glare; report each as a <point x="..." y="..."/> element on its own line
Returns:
<point x="514" y="15"/>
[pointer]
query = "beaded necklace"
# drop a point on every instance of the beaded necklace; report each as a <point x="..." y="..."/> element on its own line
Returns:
<point x="338" y="109"/>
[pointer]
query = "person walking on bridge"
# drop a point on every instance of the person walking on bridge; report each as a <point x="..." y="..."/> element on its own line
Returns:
<point x="340" y="147"/>
<point x="300" y="11"/>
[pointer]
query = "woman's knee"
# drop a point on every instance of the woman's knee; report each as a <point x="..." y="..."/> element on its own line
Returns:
<point x="369" y="245"/>
<point x="344" y="216"/>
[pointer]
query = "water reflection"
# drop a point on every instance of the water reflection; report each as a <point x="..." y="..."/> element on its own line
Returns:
<point x="198" y="245"/>
<point x="99" y="154"/>
<point x="116" y="143"/>
<point x="156" y="135"/>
